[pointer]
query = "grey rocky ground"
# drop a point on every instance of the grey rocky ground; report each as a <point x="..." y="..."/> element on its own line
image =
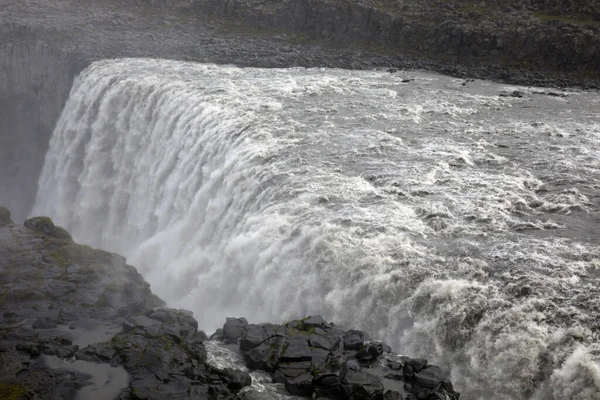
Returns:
<point x="76" y="321"/>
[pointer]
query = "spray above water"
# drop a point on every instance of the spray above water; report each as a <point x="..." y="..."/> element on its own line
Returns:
<point x="431" y="215"/>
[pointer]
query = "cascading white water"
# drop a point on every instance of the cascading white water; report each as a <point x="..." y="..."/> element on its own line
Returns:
<point x="446" y="220"/>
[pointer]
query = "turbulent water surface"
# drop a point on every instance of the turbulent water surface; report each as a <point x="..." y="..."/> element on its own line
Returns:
<point x="445" y="219"/>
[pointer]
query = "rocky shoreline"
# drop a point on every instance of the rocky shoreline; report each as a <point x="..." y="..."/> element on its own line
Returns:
<point x="77" y="322"/>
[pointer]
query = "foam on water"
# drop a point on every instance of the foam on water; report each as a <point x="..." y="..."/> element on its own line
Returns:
<point x="449" y="221"/>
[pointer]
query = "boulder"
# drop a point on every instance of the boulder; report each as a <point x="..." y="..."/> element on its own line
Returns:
<point x="46" y="226"/>
<point x="370" y="352"/>
<point x="300" y="386"/>
<point x="296" y="349"/>
<point x="254" y="335"/>
<point x="429" y="377"/>
<point x="354" y="340"/>
<point x="235" y="380"/>
<point x="392" y="395"/>
<point x="265" y="356"/>
<point x="218" y="335"/>
<point x="324" y="341"/>
<point x="417" y="364"/>
<point x="395" y="365"/>
<point x="329" y="386"/>
<point x="232" y="330"/>
<point x="364" y="386"/>
<point x="5" y="217"/>
<point x="312" y="322"/>
<point x="287" y="370"/>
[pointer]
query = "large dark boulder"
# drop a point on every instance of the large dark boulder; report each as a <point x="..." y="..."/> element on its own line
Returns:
<point x="300" y="385"/>
<point x="429" y="377"/>
<point x="370" y="352"/>
<point x="254" y="335"/>
<point x="5" y="217"/>
<point x="234" y="379"/>
<point x="232" y="330"/>
<point x="364" y="386"/>
<point x="354" y="340"/>
<point x="46" y="226"/>
<point x="296" y="349"/>
<point x="266" y="356"/>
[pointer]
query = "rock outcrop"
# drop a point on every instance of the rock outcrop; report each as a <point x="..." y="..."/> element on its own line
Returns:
<point x="61" y="300"/>
<point x="5" y="217"/>
<point x="71" y="316"/>
<point x="315" y="358"/>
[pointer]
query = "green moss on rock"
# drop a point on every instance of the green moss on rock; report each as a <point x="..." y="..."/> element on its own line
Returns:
<point x="80" y="254"/>
<point x="46" y="226"/>
<point x="9" y="391"/>
<point x="40" y="224"/>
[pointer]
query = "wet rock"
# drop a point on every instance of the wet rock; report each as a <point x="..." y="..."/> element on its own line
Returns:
<point x="370" y="352"/>
<point x="324" y="341"/>
<point x="5" y="218"/>
<point x="514" y="93"/>
<point x="354" y="340"/>
<point x="392" y="395"/>
<point x="321" y="359"/>
<point x="235" y="380"/>
<point x="218" y="335"/>
<point x="312" y="322"/>
<point x="288" y="370"/>
<point x="417" y="364"/>
<point x="99" y="352"/>
<point x="232" y="330"/>
<point x="160" y="348"/>
<point x="40" y="224"/>
<point x="296" y="349"/>
<point x="254" y="335"/>
<point x="300" y="386"/>
<point x="30" y="348"/>
<point x="395" y="365"/>
<point x="394" y="376"/>
<point x="429" y="377"/>
<point x="266" y="355"/>
<point x="329" y="386"/>
<point x="44" y="323"/>
<point x="46" y="226"/>
<point x="364" y="386"/>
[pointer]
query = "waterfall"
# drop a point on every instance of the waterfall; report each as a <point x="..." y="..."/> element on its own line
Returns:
<point x="274" y="194"/>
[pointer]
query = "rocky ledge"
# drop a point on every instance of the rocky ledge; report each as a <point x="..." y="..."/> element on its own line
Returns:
<point x="319" y="359"/>
<point x="79" y="322"/>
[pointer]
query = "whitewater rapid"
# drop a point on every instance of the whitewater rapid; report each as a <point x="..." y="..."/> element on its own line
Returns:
<point x="449" y="221"/>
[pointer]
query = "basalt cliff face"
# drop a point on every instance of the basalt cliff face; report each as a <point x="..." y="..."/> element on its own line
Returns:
<point x="548" y="36"/>
<point x="34" y="86"/>
<point x="76" y="322"/>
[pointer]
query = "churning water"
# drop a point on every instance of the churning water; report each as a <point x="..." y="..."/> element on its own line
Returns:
<point x="453" y="223"/>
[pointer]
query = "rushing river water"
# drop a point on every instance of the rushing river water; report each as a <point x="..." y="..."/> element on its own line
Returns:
<point x="449" y="221"/>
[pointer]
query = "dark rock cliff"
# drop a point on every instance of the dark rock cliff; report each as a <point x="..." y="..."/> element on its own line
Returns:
<point x="546" y="36"/>
<point x="34" y="85"/>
